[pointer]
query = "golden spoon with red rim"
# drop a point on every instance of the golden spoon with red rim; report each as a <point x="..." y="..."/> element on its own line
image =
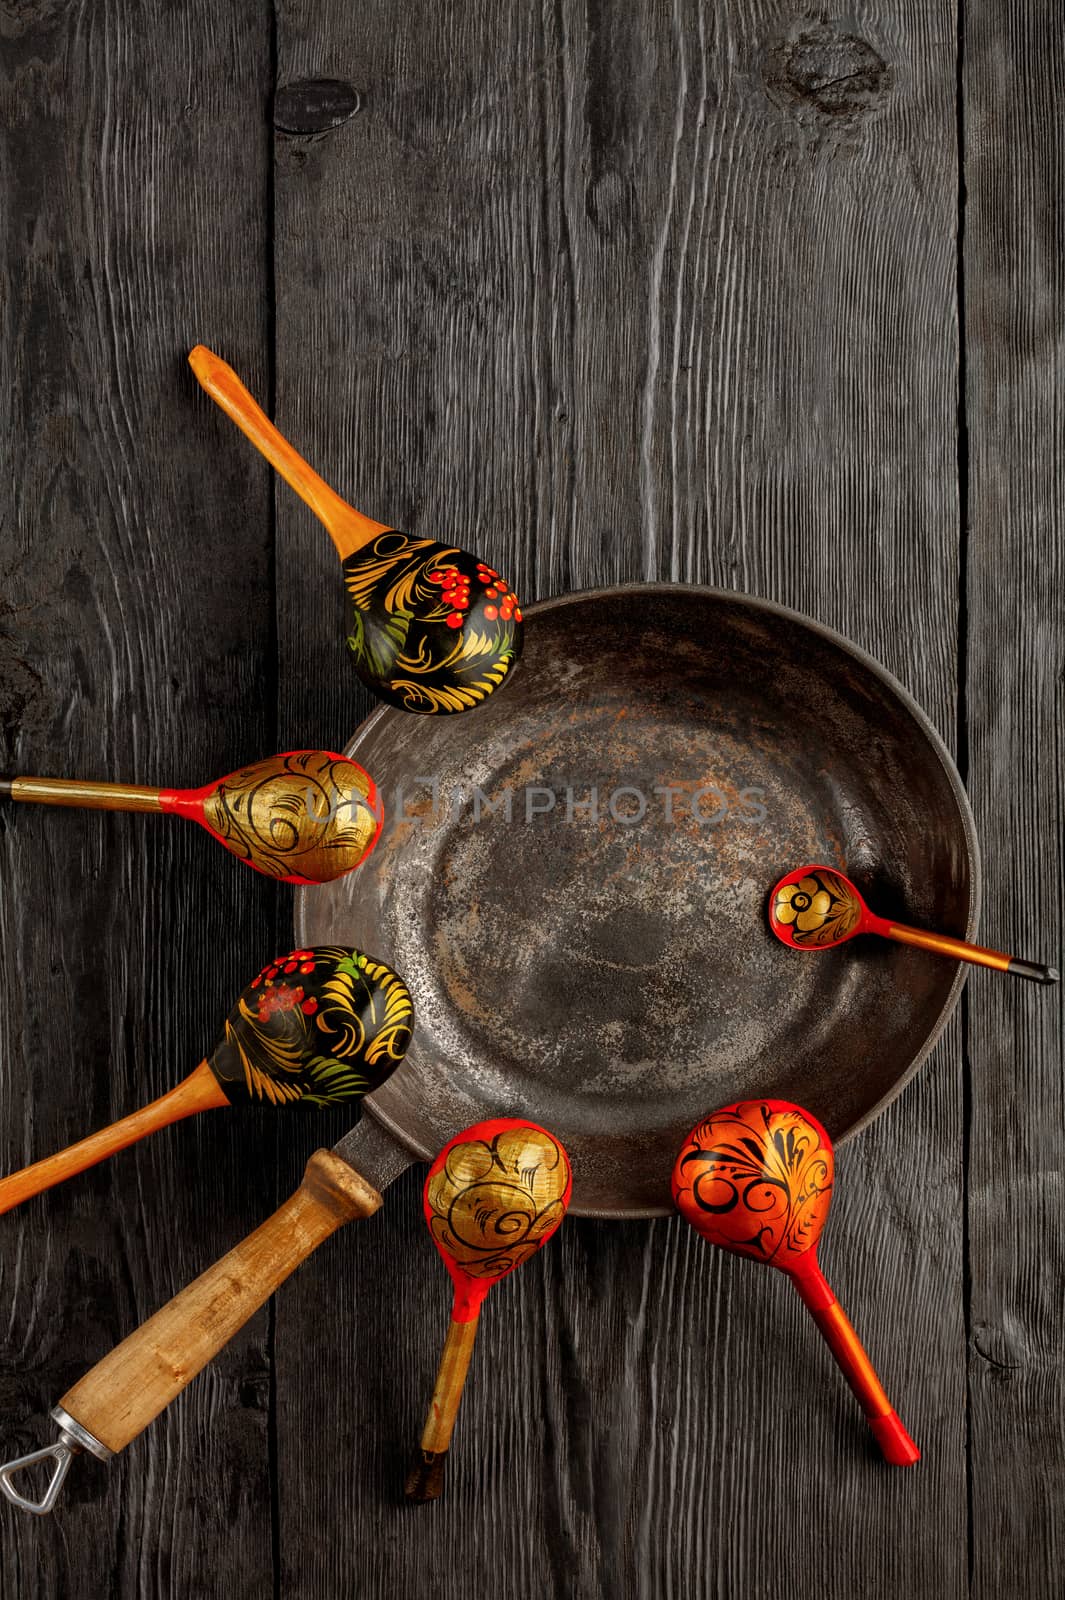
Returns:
<point x="307" y="816"/>
<point x="493" y="1196"/>
<point x="817" y="908"/>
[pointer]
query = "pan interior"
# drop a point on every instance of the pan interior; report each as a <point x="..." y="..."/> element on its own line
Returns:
<point x="572" y="879"/>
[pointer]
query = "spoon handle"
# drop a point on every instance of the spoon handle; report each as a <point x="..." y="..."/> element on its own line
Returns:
<point x="427" y="1478"/>
<point x="942" y="944"/>
<point x="127" y="1389"/>
<point x="200" y="1091"/>
<point x="76" y="792"/>
<point x="348" y="528"/>
<point x="895" y="1443"/>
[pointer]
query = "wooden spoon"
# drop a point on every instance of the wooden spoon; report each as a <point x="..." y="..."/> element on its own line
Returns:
<point x="756" y="1179"/>
<point x="316" y="1027"/>
<point x="817" y="908"/>
<point x="493" y="1196"/>
<point x="307" y="816"/>
<point x="435" y="629"/>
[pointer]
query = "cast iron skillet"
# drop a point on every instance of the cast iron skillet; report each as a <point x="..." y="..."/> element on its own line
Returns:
<point x="613" y="976"/>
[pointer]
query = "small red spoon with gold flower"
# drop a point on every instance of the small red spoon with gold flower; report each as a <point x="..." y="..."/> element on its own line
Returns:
<point x="756" y="1178"/>
<point x="316" y="1027"/>
<point x="816" y="908"/>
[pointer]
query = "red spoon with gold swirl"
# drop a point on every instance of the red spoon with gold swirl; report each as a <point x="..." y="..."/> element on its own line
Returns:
<point x="817" y="908"/>
<point x="493" y="1196"/>
<point x="756" y="1179"/>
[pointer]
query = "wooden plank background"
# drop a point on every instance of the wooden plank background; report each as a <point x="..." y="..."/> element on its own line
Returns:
<point x="613" y="291"/>
<point x="1014" y="58"/>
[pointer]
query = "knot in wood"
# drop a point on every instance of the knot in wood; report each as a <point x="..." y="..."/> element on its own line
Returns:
<point x="835" y="74"/>
<point x="314" y="105"/>
<point x="1002" y="1349"/>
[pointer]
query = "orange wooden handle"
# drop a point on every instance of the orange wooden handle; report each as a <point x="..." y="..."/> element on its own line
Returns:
<point x="853" y="1362"/>
<point x="348" y="528"/>
<point x="200" y="1091"/>
<point x="977" y="954"/>
<point x="942" y="944"/>
<point x="129" y="1387"/>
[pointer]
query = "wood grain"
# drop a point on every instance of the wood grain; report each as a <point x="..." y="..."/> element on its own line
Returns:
<point x="348" y="528"/>
<point x="604" y="291"/>
<point x="200" y="1091"/>
<point x="632" y="292"/>
<point x="1014" y="58"/>
<point x="136" y="644"/>
<point x="133" y="1383"/>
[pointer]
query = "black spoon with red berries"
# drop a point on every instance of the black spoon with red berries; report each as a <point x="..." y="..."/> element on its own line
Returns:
<point x="434" y="629"/>
<point x="316" y="1027"/>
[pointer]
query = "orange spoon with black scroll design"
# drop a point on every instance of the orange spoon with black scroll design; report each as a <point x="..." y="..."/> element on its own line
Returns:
<point x="756" y="1178"/>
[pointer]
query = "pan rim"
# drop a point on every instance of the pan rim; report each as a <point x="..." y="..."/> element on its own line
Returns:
<point x="901" y="694"/>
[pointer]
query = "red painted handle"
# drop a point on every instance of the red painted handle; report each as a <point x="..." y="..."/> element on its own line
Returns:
<point x="896" y="1446"/>
<point x="895" y="1443"/>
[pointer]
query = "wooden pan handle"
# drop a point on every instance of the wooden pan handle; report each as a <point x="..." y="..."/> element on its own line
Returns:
<point x="200" y="1091"/>
<point x="348" y="528"/>
<point x="128" y="1388"/>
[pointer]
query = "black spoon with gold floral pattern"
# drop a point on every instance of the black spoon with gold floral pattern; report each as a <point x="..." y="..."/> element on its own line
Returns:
<point x="316" y="1027"/>
<point x="435" y="629"/>
<point x="817" y="908"/>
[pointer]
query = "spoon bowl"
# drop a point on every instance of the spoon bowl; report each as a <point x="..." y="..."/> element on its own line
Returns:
<point x="814" y="908"/>
<point x="434" y="630"/>
<point x="494" y="1196"/>
<point x="755" y="1178"/>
